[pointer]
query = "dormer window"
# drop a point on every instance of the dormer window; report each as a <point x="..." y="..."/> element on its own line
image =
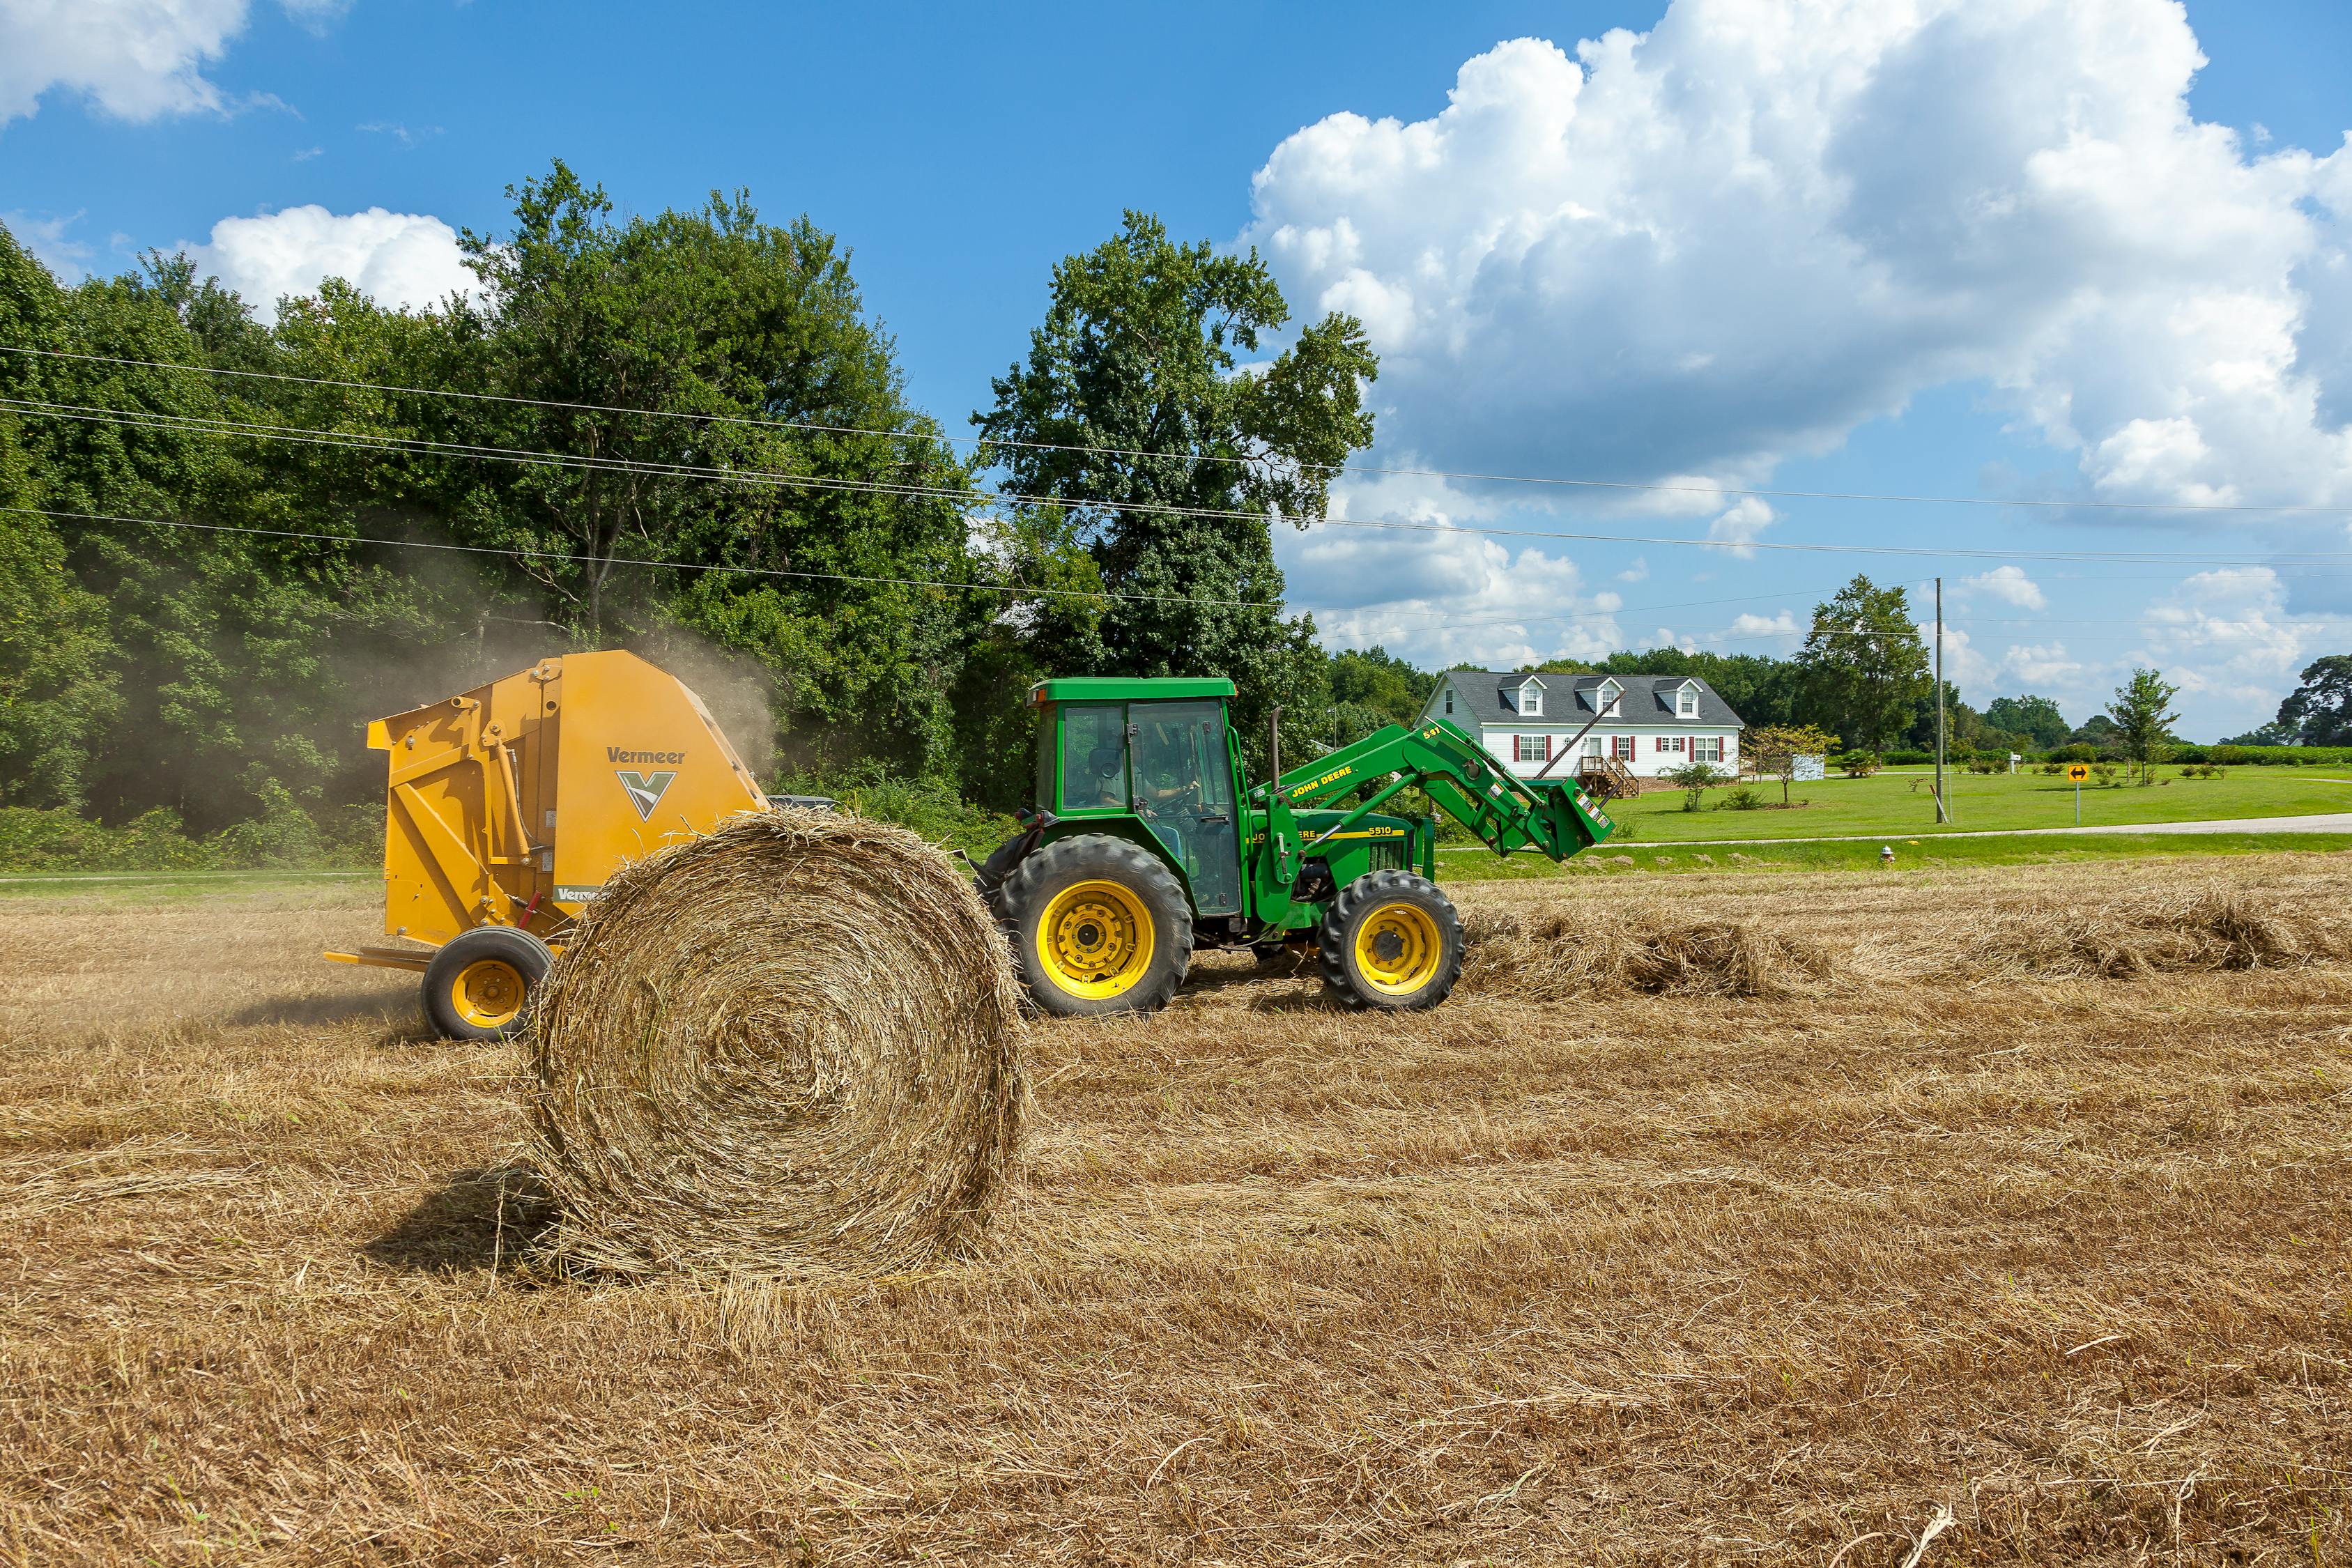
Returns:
<point x="1605" y="699"/>
<point x="1531" y="698"/>
<point x="1686" y="701"/>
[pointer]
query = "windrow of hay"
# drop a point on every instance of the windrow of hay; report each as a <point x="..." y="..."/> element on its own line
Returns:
<point x="1602" y="950"/>
<point x="790" y="1048"/>
<point x="1589" y="947"/>
<point x="2209" y="928"/>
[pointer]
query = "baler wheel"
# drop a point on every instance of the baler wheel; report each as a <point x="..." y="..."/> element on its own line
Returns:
<point x="480" y="986"/>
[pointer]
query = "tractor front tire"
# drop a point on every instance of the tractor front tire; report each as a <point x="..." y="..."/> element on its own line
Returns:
<point x="1390" y="942"/>
<point x="480" y="984"/>
<point x="1098" y="925"/>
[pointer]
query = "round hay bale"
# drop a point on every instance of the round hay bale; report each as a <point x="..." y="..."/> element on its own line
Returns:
<point x="789" y="1047"/>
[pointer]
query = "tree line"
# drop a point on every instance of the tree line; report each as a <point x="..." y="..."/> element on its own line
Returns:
<point x="225" y="544"/>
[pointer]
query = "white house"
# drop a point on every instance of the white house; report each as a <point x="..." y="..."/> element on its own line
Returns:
<point x="1650" y="724"/>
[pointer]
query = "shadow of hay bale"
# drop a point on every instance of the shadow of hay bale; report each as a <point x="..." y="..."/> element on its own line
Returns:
<point x="373" y="1005"/>
<point x="474" y="1221"/>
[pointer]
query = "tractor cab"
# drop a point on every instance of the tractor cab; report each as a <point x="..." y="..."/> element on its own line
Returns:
<point x="1148" y="757"/>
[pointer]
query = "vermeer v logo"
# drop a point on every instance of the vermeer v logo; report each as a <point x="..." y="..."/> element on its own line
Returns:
<point x="645" y="790"/>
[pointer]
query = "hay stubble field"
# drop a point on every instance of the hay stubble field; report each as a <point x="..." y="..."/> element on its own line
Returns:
<point x="1961" y="1215"/>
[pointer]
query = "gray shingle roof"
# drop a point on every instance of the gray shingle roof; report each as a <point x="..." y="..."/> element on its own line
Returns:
<point x="1490" y="696"/>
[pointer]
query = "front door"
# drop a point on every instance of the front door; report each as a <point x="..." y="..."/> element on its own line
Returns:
<point x="1184" y="792"/>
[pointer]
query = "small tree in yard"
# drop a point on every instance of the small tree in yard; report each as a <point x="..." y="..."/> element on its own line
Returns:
<point x="1693" y="779"/>
<point x="2142" y="725"/>
<point x="1774" y="750"/>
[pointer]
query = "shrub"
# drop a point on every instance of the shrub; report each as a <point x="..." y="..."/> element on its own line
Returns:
<point x="2054" y="769"/>
<point x="2080" y="751"/>
<point x="1693" y="778"/>
<point x="931" y="807"/>
<point x="1745" y="798"/>
<point x="1910" y="759"/>
<point x="1857" y="765"/>
<point x="2104" y="772"/>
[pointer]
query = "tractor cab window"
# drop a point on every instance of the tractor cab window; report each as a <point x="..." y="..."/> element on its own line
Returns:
<point x="1094" y="756"/>
<point x="1184" y="792"/>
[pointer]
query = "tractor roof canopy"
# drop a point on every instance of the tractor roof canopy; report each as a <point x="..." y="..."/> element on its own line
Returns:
<point x="1122" y="688"/>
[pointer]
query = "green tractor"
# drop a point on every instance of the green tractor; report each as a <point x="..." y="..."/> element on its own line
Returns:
<point x="1146" y="842"/>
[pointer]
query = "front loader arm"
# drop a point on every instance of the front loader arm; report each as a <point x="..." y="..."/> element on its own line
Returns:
<point x="1552" y="817"/>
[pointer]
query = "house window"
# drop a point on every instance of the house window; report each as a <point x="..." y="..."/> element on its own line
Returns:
<point x="1620" y="747"/>
<point x="1707" y="748"/>
<point x="1531" y="748"/>
<point x="1449" y="702"/>
<point x="1674" y="743"/>
<point x="1532" y="701"/>
<point x="1592" y="745"/>
<point x="1687" y="703"/>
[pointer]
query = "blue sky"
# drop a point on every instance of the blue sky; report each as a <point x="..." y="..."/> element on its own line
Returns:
<point x="1773" y="244"/>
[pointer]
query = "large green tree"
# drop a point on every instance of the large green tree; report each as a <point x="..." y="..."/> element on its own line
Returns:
<point x="2035" y="718"/>
<point x="1863" y="666"/>
<point x="2318" y="712"/>
<point x="1135" y="414"/>
<point x="708" y="340"/>
<point x="1371" y="688"/>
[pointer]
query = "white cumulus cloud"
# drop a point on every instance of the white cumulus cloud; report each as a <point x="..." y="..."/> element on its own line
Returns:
<point x="1740" y="523"/>
<point x="1739" y="236"/>
<point x="397" y="258"/>
<point x="2011" y="584"/>
<point x="2034" y="665"/>
<point x="134" y="60"/>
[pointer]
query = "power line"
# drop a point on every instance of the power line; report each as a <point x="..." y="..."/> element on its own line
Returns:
<point x="1012" y="591"/>
<point x="315" y="537"/>
<point x="536" y="553"/>
<point x="1646" y="487"/>
<point x="363" y="441"/>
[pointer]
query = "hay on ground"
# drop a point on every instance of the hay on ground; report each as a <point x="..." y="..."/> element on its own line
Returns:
<point x="2205" y="929"/>
<point x="790" y="1047"/>
<point x="1610" y="951"/>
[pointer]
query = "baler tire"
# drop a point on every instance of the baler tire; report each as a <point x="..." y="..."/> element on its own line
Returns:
<point x="1115" y="919"/>
<point x="480" y="984"/>
<point x="1378" y="910"/>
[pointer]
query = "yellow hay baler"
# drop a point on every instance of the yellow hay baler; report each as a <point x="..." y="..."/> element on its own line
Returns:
<point x="509" y="806"/>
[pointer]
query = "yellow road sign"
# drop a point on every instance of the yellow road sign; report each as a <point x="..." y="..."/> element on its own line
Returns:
<point x="2078" y="772"/>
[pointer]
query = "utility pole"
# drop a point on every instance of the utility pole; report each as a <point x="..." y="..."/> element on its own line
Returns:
<point x="1943" y="807"/>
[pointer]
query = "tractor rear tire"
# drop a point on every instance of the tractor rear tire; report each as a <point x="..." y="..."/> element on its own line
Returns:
<point x="1392" y="943"/>
<point x="479" y="986"/>
<point x="1098" y="925"/>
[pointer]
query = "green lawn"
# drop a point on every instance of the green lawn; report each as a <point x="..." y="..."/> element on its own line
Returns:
<point x="1911" y="854"/>
<point x="1903" y="803"/>
<point x="146" y="885"/>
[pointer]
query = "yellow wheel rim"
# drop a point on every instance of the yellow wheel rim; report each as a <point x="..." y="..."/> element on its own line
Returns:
<point x="1398" y="948"/>
<point x="1096" y="939"/>
<point x="488" y="993"/>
